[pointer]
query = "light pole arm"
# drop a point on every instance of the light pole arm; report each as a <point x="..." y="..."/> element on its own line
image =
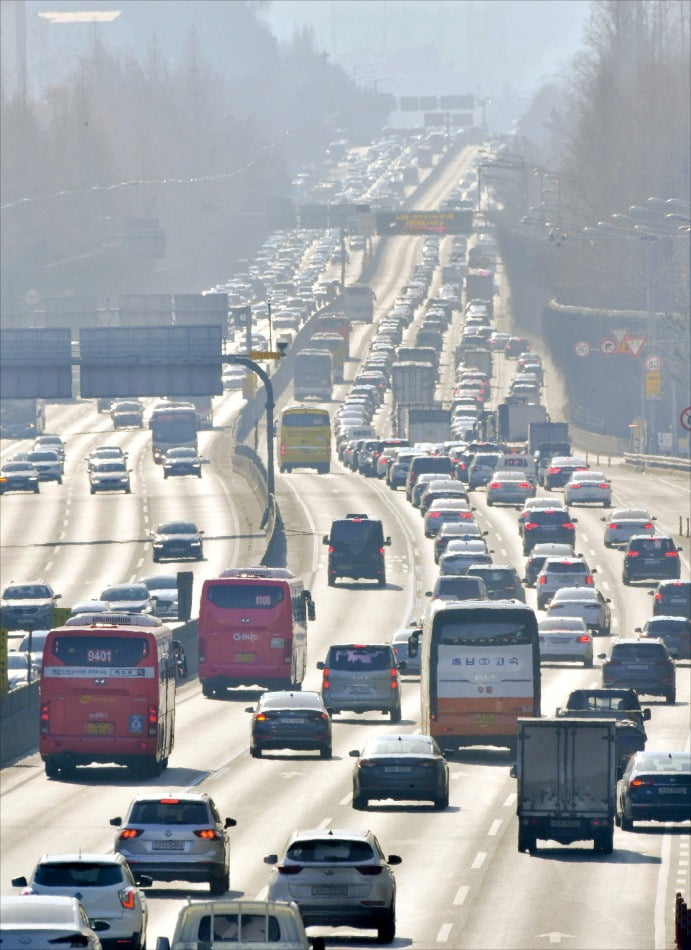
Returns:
<point x="270" y="406"/>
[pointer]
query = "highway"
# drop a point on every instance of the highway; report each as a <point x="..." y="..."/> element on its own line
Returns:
<point x="462" y="884"/>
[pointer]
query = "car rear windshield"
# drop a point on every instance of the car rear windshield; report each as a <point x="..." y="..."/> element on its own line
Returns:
<point x="244" y="596"/>
<point x="172" y="812"/>
<point x="543" y="516"/>
<point x="461" y="587"/>
<point x="561" y="567"/>
<point x="360" y="658"/>
<point x="638" y="652"/>
<point x="652" y="545"/>
<point x="78" y="874"/>
<point x="357" y="535"/>
<point x="330" y="849"/>
<point x="250" y="928"/>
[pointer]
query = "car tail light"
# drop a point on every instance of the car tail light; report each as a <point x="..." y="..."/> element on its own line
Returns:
<point x="331" y="549"/>
<point x="552" y="470"/>
<point x="208" y="834"/>
<point x="127" y="898"/>
<point x="632" y="553"/>
<point x="613" y="525"/>
<point x="432" y="514"/>
<point x="394" y="678"/>
<point x="325" y="679"/>
<point x="603" y="485"/>
<point x="45" y="719"/>
<point x="671" y="554"/>
<point x="128" y="833"/>
<point x="524" y="485"/>
<point x="575" y="485"/>
<point x="588" y="578"/>
<point x="568" y="525"/>
<point x="639" y="782"/>
<point x="289" y="868"/>
<point x="323" y="716"/>
<point x="261" y="717"/>
<point x="584" y="638"/>
<point x="371" y="870"/>
<point x="648" y="525"/>
<point x="366" y="763"/>
<point x="153" y="720"/>
<point x="495" y="485"/>
<point x="529" y="525"/>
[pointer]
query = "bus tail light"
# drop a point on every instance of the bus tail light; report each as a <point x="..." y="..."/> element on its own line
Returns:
<point x="153" y="720"/>
<point x="45" y="719"/>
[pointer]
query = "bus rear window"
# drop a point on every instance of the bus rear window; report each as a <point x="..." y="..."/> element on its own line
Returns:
<point x="301" y="419"/>
<point x="244" y="596"/>
<point x="89" y="650"/>
<point x="479" y="631"/>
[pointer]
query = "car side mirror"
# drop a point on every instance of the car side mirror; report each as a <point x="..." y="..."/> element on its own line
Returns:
<point x="638" y="629"/>
<point x="602" y="656"/>
<point x="513" y="772"/>
<point x="311" y="610"/>
<point x="19" y="881"/>
<point x="387" y="542"/>
<point x="651" y="593"/>
<point x="325" y="539"/>
<point x="320" y="665"/>
<point x="144" y="880"/>
<point x="394" y="859"/>
<point x="116" y="822"/>
<point x="414" y="644"/>
<point x="271" y="859"/>
<point x="608" y="600"/>
<point x="354" y="753"/>
<point x="574" y="520"/>
<point x="646" y="715"/>
<point x="229" y="823"/>
<point x="249" y="709"/>
<point x="162" y="943"/>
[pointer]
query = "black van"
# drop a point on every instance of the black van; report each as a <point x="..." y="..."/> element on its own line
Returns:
<point x="356" y="549"/>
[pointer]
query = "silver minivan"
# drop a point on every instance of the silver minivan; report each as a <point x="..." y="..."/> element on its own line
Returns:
<point x="362" y="677"/>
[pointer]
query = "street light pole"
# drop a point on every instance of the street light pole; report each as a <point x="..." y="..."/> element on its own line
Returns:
<point x="270" y="406"/>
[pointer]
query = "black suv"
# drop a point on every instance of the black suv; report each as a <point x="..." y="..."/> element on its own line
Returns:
<point x="643" y="665"/>
<point x="650" y="558"/>
<point x="672" y="599"/>
<point x="502" y="582"/>
<point x="356" y="549"/>
<point x="548" y="524"/>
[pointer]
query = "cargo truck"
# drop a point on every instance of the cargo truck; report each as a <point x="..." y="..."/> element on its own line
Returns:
<point x="413" y="383"/>
<point x="22" y="418"/>
<point x="418" y="354"/>
<point x="566" y="781"/>
<point x="358" y="302"/>
<point x="335" y="345"/>
<point x="514" y="420"/>
<point x="479" y="285"/>
<point x="313" y="375"/>
<point x="549" y="433"/>
<point x="423" y="424"/>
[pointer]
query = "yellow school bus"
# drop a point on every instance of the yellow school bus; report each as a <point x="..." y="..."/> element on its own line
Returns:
<point x="304" y="439"/>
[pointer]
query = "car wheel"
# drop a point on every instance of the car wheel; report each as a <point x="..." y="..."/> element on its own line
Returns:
<point x="588" y="664"/>
<point x="219" y="883"/>
<point x="93" y="491"/>
<point x="489" y="503"/>
<point x="386" y="928"/>
<point x="604" y="842"/>
<point x="255" y="752"/>
<point x="671" y="697"/>
<point x="325" y="752"/>
<point x="207" y="690"/>
<point x="51" y="768"/>
<point x="332" y="580"/>
<point x="625" y="581"/>
<point x="395" y="714"/>
<point x="36" y="490"/>
<point x="442" y="802"/>
<point x="382" y="580"/>
<point x="199" y="474"/>
<point x="156" y="558"/>
<point x="128" y="490"/>
<point x="59" y="480"/>
<point x="360" y="802"/>
<point x="626" y="823"/>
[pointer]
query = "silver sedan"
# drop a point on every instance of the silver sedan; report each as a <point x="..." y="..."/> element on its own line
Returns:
<point x="509" y="487"/>
<point x="623" y="523"/>
<point x="565" y="638"/>
<point x="588" y="488"/>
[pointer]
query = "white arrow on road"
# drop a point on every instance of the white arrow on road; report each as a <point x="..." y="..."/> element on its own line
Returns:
<point x="555" y="936"/>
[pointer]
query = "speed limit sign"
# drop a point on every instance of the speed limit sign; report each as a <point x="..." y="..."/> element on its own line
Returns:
<point x="582" y="348"/>
<point x="653" y="364"/>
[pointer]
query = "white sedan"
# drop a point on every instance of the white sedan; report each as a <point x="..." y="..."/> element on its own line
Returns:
<point x="623" y="523"/>
<point x="565" y="638"/>
<point x="588" y="487"/>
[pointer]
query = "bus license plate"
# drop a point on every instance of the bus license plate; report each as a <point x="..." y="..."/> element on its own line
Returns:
<point x="99" y="728"/>
<point x="244" y="657"/>
<point x="485" y="717"/>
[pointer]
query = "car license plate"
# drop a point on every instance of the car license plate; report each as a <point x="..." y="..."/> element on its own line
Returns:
<point x="244" y="657"/>
<point x="360" y="690"/>
<point x="662" y="790"/>
<point x="167" y="845"/>
<point x="330" y="890"/>
<point x="99" y="728"/>
<point x="397" y="768"/>
<point x="293" y="721"/>
<point x="638" y="666"/>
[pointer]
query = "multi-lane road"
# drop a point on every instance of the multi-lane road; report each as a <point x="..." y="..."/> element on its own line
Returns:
<point x="462" y="883"/>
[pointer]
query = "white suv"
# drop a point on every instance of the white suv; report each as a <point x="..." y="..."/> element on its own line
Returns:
<point x="106" y="889"/>
<point x="337" y="879"/>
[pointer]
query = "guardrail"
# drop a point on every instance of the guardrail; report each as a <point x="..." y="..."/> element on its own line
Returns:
<point x="658" y="461"/>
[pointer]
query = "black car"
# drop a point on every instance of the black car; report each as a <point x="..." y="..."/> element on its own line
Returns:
<point x="675" y="632"/>
<point x="182" y="461"/>
<point x="290" y="720"/>
<point x="560" y="470"/>
<point x="176" y="540"/>
<point x="643" y="665"/>
<point x="407" y="767"/>
<point x="651" y="558"/>
<point x="19" y="476"/>
<point x="655" y="786"/>
<point x="548" y="524"/>
<point x="502" y="582"/>
<point x="356" y="549"/>
<point x="672" y="599"/>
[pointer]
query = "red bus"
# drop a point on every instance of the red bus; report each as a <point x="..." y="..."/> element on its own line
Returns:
<point x="253" y="629"/>
<point x="107" y="694"/>
<point x="334" y="323"/>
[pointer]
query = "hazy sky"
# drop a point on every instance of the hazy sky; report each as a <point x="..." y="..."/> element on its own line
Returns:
<point x="442" y="47"/>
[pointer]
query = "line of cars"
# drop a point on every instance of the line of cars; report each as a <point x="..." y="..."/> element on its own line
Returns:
<point x="44" y="462"/>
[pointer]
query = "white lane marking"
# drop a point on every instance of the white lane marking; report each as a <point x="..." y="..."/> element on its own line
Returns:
<point x="510" y="800"/>
<point x="461" y="894"/>
<point x="443" y="933"/>
<point x="495" y="826"/>
<point x="48" y="566"/>
<point x="661" y="894"/>
<point x="479" y="860"/>
<point x="346" y="799"/>
<point x="263" y="893"/>
<point x="324" y="823"/>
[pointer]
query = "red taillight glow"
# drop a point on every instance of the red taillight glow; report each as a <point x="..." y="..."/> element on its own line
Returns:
<point x="283" y="448"/>
<point x="261" y="717"/>
<point x="208" y="834"/>
<point x="432" y="514"/>
<point x="671" y="554"/>
<point x="169" y="801"/>
<point x="127" y="833"/>
<point x="568" y="524"/>
<point x="529" y="525"/>
<point x="584" y="638"/>
<point x="575" y="485"/>
<point x="603" y="485"/>
<point x="589" y="578"/>
<point x="127" y="899"/>
<point x="153" y="720"/>
<point x="45" y="719"/>
<point x="632" y="553"/>
<point x="638" y="782"/>
<point x="543" y="579"/>
<point x="553" y="471"/>
<point x="495" y="484"/>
